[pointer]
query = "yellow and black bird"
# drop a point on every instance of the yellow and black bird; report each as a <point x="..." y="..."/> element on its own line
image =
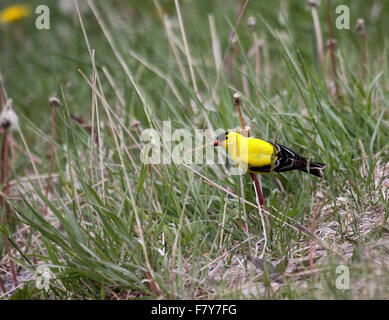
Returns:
<point x="261" y="156"/>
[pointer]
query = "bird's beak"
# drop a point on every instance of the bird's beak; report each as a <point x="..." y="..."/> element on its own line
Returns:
<point x="216" y="143"/>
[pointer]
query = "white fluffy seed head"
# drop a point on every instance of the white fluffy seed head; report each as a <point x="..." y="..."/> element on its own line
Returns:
<point x="134" y="123"/>
<point x="251" y="22"/>
<point x="9" y="119"/>
<point x="361" y="25"/>
<point x="54" y="101"/>
<point x="313" y="3"/>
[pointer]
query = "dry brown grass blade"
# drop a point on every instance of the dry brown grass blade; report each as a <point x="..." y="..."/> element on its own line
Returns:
<point x="5" y="182"/>
<point x="311" y="264"/>
<point x="319" y="38"/>
<point x="54" y="103"/>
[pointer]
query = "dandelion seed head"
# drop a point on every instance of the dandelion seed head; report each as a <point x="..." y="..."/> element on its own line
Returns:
<point x="134" y="123"/>
<point x="251" y="22"/>
<point x="313" y="3"/>
<point x="54" y="102"/>
<point x="361" y="25"/>
<point x="331" y="43"/>
<point x="9" y="119"/>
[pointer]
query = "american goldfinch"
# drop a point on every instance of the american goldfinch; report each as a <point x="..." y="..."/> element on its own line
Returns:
<point x="260" y="156"/>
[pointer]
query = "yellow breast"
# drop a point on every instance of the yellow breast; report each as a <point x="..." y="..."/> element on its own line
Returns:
<point x="249" y="151"/>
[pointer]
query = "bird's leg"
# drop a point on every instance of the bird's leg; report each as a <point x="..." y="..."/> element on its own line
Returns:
<point x="260" y="200"/>
<point x="258" y="189"/>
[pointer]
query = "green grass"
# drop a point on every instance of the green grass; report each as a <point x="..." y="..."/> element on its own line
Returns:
<point x="116" y="228"/>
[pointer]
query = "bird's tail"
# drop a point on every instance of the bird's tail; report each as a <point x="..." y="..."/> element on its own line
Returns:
<point x="315" y="168"/>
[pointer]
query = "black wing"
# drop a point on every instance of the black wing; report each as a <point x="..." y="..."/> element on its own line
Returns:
<point x="289" y="160"/>
<point x="286" y="160"/>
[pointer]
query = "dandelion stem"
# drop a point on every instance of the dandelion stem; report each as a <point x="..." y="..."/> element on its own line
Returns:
<point x="4" y="169"/>
<point x="5" y="182"/>
<point x="332" y="49"/>
<point x="257" y="59"/>
<point x="362" y="31"/>
<point x="53" y="103"/>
